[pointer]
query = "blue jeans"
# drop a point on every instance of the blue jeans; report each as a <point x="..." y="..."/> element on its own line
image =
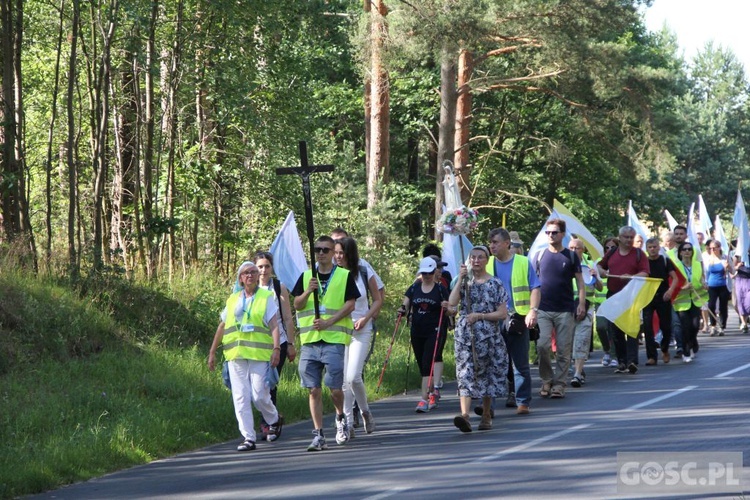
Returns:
<point x="677" y="329"/>
<point x="518" y="351"/>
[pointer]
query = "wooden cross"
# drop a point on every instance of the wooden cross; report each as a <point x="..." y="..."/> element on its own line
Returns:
<point x="304" y="172"/>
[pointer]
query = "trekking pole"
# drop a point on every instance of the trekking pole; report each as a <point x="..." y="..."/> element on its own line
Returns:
<point x="434" y="352"/>
<point x="388" y="354"/>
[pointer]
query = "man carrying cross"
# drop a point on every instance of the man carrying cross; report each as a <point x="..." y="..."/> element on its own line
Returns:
<point x="324" y="339"/>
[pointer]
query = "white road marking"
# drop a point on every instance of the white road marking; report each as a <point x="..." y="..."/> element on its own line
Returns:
<point x="661" y="398"/>
<point x="731" y="372"/>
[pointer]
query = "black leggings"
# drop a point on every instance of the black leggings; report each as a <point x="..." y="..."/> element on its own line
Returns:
<point x="424" y="347"/>
<point x="720" y="293"/>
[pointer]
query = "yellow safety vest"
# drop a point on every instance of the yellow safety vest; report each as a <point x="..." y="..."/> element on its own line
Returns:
<point x="698" y="296"/>
<point x="519" y="282"/>
<point x="601" y="296"/>
<point x="330" y="304"/>
<point x="251" y="338"/>
<point x="590" y="291"/>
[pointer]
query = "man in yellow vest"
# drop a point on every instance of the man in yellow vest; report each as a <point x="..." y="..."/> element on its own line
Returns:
<point x="522" y="283"/>
<point x="324" y="339"/>
<point x="249" y="335"/>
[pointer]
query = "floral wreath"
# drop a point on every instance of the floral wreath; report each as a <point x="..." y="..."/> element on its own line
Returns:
<point x="461" y="220"/>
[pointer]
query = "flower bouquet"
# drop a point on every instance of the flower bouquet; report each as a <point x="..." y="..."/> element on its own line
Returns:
<point x="462" y="220"/>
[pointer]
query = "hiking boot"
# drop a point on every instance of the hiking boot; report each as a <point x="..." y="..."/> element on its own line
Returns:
<point x="522" y="410"/>
<point x="651" y="362"/>
<point x="511" y="401"/>
<point x="423" y="406"/>
<point x="432" y="402"/>
<point x="462" y="422"/>
<point x="632" y="368"/>
<point x="479" y="410"/>
<point x="678" y="354"/>
<point x="318" y="442"/>
<point x="369" y="422"/>
<point x="665" y="357"/>
<point x="246" y="445"/>
<point x="342" y="430"/>
<point x="621" y="368"/>
<point x="606" y="359"/>
<point x="486" y="423"/>
<point x="274" y="430"/>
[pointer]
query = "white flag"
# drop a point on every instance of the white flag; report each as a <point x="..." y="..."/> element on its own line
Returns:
<point x="288" y="257"/>
<point x="743" y="233"/>
<point x="452" y="251"/>
<point x="704" y="221"/>
<point x="636" y="224"/>
<point x="720" y="236"/>
<point x="670" y="220"/>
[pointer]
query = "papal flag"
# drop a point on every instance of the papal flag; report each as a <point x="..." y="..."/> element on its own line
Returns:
<point x="624" y="307"/>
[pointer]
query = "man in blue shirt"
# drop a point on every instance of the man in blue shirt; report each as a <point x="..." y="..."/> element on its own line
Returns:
<point x="520" y="280"/>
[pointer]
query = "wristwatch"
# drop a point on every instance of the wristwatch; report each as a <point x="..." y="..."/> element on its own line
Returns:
<point x="535" y="309"/>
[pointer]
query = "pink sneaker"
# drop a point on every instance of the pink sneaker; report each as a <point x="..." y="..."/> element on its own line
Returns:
<point x="433" y="401"/>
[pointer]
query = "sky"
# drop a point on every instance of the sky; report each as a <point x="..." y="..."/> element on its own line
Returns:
<point x="696" y="22"/>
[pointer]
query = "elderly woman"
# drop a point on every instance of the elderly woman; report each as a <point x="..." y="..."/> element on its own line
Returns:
<point x="480" y="352"/>
<point x="249" y="334"/>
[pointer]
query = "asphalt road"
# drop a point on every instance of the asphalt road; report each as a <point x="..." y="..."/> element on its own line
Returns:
<point x="566" y="448"/>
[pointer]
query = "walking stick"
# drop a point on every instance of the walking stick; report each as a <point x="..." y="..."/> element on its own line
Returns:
<point x="388" y="354"/>
<point x="434" y="352"/>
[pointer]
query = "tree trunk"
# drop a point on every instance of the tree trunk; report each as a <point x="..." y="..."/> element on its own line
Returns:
<point x="50" y="140"/>
<point x="378" y="167"/>
<point x="446" y="133"/>
<point x="72" y="170"/>
<point x="463" y="124"/>
<point x="11" y="175"/>
<point x="147" y="194"/>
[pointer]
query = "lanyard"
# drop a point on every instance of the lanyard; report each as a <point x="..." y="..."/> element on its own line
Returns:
<point x="244" y="297"/>
<point x="689" y="272"/>
<point x="324" y="288"/>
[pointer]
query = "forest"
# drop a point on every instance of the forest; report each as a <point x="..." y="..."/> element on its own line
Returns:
<point x="142" y="137"/>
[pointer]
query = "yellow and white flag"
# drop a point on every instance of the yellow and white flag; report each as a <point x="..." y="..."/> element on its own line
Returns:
<point x="624" y="307"/>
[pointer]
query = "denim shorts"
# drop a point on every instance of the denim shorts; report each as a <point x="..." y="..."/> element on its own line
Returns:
<point x="321" y="355"/>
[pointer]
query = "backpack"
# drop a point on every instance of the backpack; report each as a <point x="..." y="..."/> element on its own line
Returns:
<point x="540" y="254"/>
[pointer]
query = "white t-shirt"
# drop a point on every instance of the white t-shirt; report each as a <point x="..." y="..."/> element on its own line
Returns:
<point x="371" y="272"/>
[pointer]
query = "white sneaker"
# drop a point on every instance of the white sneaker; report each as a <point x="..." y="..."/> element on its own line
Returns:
<point x="606" y="359"/>
<point x="687" y="359"/>
<point x="342" y="430"/>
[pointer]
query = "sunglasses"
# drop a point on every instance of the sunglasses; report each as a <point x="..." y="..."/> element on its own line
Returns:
<point x="552" y="233"/>
<point x="323" y="250"/>
<point x="610" y="247"/>
<point x="687" y="249"/>
<point x="516" y="245"/>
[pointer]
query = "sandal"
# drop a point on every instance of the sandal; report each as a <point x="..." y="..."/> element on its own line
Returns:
<point x="544" y="392"/>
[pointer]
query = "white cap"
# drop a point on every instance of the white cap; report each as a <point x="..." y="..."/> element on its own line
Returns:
<point x="427" y="265"/>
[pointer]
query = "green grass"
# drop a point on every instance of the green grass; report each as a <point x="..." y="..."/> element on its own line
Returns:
<point x="111" y="374"/>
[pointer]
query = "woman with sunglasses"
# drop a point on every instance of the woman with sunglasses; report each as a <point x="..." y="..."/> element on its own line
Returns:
<point x="347" y="256"/>
<point x="424" y="300"/>
<point x="689" y="299"/>
<point x="480" y="351"/>
<point x="717" y="269"/>
<point x="268" y="281"/>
